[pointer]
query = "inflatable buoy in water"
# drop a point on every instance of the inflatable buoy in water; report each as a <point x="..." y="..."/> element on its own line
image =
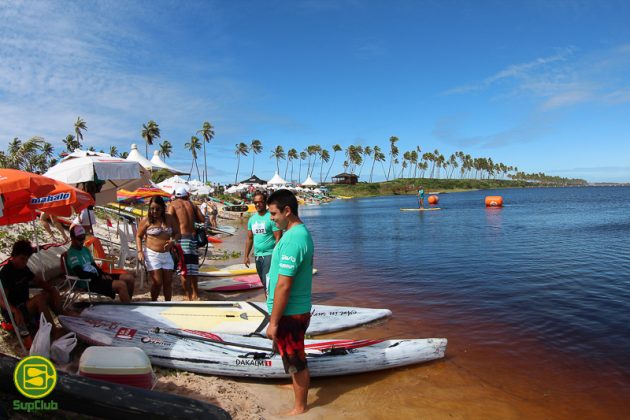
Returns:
<point x="433" y="199"/>
<point x="494" y="201"/>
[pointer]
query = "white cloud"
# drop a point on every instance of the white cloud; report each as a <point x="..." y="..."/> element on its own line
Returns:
<point x="562" y="80"/>
<point x="60" y="60"/>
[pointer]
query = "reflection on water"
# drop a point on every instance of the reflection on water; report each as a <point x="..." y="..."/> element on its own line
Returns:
<point x="538" y="288"/>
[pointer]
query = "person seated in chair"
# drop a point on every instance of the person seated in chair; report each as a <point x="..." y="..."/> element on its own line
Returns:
<point x="80" y="263"/>
<point x="16" y="279"/>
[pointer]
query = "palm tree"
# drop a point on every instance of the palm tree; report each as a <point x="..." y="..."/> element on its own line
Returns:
<point x="367" y="151"/>
<point x="277" y="154"/>
<point x="71" y="143"/>
<point x="150" y="131"/>
<point x="336" y="148"/>
<point x="113" y="151"/>
<point x="393" y="153"/>
<point x="207" y="132"/>
<point x="380" y="157"/>
<point x="377" y="152"/>
<point x="256" y="147"/>
<point x="165" y="149"/>
<point x="123" y="155"/>
<point x="47" y="150"/>
<point x="241" y="150"/>
<point x="193" y="145"/>
<point x="317" y="149"/>
<point x="292" y="155"/>
<point x="324" y="157"/>
<point x="79" y="127"/>
<point x="302" y="157"/>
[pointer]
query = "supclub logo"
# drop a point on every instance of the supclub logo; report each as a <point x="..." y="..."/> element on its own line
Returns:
<point x="35" y="377"/>
<point x="51" y="198"/>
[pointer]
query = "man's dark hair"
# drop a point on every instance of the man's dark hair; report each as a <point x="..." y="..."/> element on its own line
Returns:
<point x="282" y="199"/>
<point x="259" y="193"/>
<point x="22" y="247"/>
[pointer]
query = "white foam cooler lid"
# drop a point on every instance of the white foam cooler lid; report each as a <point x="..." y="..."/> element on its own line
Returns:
<point x="114" y="361"/>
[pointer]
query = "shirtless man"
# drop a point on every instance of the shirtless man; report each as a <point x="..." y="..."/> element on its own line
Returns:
<point x="187" y="214"/>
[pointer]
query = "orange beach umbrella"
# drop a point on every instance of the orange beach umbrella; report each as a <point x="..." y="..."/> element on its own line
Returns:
<point x="23" y="193"/>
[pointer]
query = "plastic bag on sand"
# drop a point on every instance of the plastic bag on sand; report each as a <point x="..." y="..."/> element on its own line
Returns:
<point x="61" y="348"/>
<point x="41" y="342"/>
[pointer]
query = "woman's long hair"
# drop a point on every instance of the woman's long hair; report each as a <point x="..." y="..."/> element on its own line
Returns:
<point x="160" y="202"/>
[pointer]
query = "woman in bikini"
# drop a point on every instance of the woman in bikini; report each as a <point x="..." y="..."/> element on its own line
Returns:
<point x="161" y="230"/>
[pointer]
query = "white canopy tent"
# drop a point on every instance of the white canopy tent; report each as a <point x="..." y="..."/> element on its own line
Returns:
<point x="85" y="166"/>
<point x="173" y="182"/>
<point x="276" y="180"/>
<point x="156" y="160"/>
<point x="135" y="156"/>
<point x="309" y="182"/>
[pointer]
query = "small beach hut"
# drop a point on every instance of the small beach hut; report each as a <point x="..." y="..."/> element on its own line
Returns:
<point x="345" y="178"/>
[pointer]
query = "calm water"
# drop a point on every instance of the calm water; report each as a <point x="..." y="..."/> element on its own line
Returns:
<point x="547" y="274"/>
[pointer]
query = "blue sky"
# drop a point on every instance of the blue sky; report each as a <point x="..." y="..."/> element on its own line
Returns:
<point x="541" y="85"/>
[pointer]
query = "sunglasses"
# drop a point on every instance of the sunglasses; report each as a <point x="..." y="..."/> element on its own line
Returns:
<point x="80" y="238"/>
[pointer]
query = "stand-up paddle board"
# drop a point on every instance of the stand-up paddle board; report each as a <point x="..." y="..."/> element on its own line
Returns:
<point x="425" y="209"/>
<point x="228" y="317"/>
<point x="231" y="284"/>
<point x="230" y="270"/>
<point x="233" y="355"/>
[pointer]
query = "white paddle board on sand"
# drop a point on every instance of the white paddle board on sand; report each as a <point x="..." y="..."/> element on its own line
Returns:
<point x="228" y="317"/>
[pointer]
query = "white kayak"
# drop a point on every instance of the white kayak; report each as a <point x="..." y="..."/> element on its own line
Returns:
<point x="228" y="317"/>
<point x="233" y="355"/>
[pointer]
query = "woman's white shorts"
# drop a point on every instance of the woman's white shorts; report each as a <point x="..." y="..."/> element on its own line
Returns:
<point x="158" y="260"/>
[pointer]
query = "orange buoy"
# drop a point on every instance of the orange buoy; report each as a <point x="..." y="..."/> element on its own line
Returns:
<point x="433" y="199"/>
<point x="494" y="201"/>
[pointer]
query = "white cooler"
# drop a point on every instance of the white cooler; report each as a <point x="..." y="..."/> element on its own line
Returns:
<point x="121" y="365"/>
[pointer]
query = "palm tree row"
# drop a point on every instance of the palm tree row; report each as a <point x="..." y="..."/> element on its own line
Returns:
<point x="408" y="164"/>
<point x="36" y="154"/>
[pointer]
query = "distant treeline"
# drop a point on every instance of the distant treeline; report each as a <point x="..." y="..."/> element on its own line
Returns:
<point x="410" y="186"/>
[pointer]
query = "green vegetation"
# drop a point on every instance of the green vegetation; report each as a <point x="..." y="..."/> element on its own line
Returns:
<point x="410" y="185"/>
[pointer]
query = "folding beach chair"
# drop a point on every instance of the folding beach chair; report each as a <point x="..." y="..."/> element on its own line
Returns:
<point x="73" y="286"/>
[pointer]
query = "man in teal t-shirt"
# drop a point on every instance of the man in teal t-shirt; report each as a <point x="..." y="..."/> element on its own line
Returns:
<point x="264" y="235"/>
<point x="421" y="197"/>
<point x="289" y="288"/>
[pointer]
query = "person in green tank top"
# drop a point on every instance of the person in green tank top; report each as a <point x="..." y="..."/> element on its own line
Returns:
<point x="263" y="234"/>
<point x="289" y="292"/>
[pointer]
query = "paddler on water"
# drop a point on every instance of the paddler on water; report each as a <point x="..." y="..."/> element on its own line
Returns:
<point x="289" y="298"/>
<point x="421" y="197"/>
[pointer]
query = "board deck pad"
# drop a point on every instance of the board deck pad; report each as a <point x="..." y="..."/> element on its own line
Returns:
<point x="228" y="317"/>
